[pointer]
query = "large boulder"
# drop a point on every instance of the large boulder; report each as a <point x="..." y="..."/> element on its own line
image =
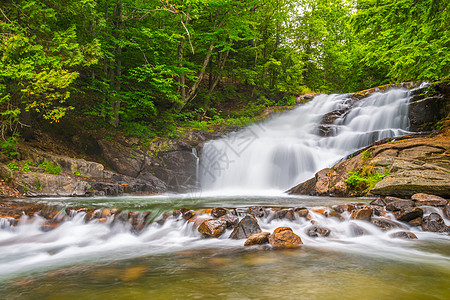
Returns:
<point x="48" y="185"/>
<point x="431" y="200"/>
<point x="434" y="223"/>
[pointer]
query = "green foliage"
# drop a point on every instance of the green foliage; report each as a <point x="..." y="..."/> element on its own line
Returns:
<point x="76" y="173"/>
<point x="364" y="179"/>
<point x="26" y="167"/>
<point x="50" y="168"/>
<point x="9" y="145"/>
<point x="367" y="154"/>
<point x="13" y="167"/>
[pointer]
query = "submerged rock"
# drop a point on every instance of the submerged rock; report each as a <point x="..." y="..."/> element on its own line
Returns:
<point x="259" y="238"/>
<point x="407" y="235"/>
<point x="284" y="237"/>
<point x="246" y="227"/>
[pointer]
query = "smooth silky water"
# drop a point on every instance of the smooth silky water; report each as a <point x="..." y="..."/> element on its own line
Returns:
<point x="79" y="260"/>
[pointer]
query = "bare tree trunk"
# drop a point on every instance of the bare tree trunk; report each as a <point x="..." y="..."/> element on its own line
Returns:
<point x="116" y="71"/>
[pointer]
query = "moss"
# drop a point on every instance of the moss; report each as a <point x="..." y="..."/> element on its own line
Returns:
<point x="364" y="179"/>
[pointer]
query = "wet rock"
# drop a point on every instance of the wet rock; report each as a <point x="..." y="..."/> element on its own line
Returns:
<point x="343" y="208"/>
<point x="434" y="223"/>
<point x="407" y="235"/>
<point x="213" y="228"/>
<point x="316" y="231"/>
<point x="357" y="230"/>
<point x="284" y="237"/>
<point x="183" y="212"/>
<point x="415" y="222"/>
<point x="230" y="220"/>
<point x="302" y="212"/>
<point x="163" y="218"/>
<point x="246" y="227"/>
<point x="378" y="202"/>
<point x="259" y="238"/>
<point x="394" y="203"/>
<point x="363" y="214"/>
<point x="333" y="214"/>
<point x="319" y="210"/>
<point x="217" y="212"/>
<point x="121" y="217"/>
<point x="285" y="214"/>
<point x="257" y="211"/>
<point x="426" y="199"/>
<point x="386" y="224"/>
<point x="408" y="214"/>
<point x="447" y="211"/>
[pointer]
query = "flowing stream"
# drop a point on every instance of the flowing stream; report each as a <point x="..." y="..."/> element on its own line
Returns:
<point x="107" y="259"/>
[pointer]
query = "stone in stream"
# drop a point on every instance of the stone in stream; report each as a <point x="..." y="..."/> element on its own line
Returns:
<point x="416" y="222"/>
<point x="394" y="203"/>
<point x="257" y="211"/>
<point x="246" y="227"/>
<point x="378" y="202"/>
<point x="230" y="220"/>
<point x="217" y="212"/>
<point x="183" y="212"/>
<point x="357" y="230"/>
<point x="163" y="218"/>
<point x="407" y="235"/>
<point x="259" y="238"/>
<point x="408" y="214"/>
<point x="284" y="237"/>
<point x="285" y="214"/>
<point x="363" y="214"/>
<point x="316" y="231"/>
<point x="434" y="223"/>
<point x="447" y="211"/>
<point x="426" y="199"/>
<point x="343" y="208"/>
<point x="302" y="212"/>
<point x="213" y="228"/>
<point x="386" y="224"/>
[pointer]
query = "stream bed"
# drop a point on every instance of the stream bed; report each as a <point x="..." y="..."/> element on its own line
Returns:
<point x="79" y="260"/>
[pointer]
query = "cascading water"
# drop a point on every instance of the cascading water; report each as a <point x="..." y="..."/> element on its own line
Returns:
<point x="290" y="148"/>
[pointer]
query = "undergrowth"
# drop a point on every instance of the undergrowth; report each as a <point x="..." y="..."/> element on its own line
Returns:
<point x="364" y="179"/>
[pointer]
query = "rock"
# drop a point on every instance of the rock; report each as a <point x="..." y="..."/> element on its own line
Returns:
<point x="257" y="211"/>
<point x="407" y="235"/>
<point x="408" y="214"/>
<point x="344" y="207"/>
<point x="246" y="227"/>
<point x="447" y="211"/>
<point x="49" y="185"/>
<point x="357" y="230"/>
<point x="285" y="214"/>
<point x="378" y="202"/>
<point x="386" y="224"/>
<point x="183" y="212"/>
<point x="434" y="223"/>
<point x="302" y="212"/>
<point x="213" y="228"/>
<point x="363" y="214"/>
<point x="230" y="220"/>
<point x="259" y="238"/>
<point x="217" y="212"/>
<point x="284" y="237"/>
<point x="431" y="200"/>
<point x="316" y="231"/>
<point x="426" y="110"/>
<point x="416" y="222"/>
<point x="394" y="204"/>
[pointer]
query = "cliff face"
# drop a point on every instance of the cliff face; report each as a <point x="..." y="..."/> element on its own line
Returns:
<point x="402" y="167"/>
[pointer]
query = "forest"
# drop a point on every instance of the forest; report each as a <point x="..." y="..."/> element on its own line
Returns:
<point x="148" y="67"/>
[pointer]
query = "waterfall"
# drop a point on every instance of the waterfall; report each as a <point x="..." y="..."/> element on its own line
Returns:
<point x="289" y="148"/>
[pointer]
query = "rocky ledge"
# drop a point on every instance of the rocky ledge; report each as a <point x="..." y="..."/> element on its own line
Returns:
<point x="395" y="216"/>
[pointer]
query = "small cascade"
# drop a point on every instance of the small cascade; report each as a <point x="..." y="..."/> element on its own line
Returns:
<point x="289" y="148"/>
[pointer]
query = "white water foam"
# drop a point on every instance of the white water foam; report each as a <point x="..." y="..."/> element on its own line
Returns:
<point x="288" y="149"/>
